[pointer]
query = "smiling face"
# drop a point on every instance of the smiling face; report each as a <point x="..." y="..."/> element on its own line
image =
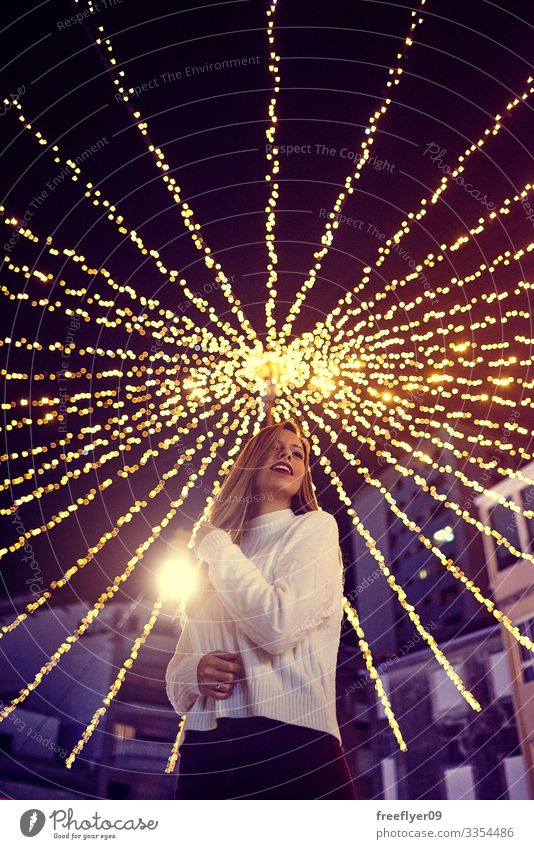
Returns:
<point x="282" y="471"/>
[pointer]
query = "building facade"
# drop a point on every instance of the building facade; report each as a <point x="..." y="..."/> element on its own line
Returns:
<point x="512" y="585"/>
<point x="126" y="756"/>
<point x="441" y="600"/>
<point x="453" y="752"/>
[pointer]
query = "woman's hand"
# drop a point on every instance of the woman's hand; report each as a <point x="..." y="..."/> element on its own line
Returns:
<point x="221" y="668"/>
<point x="203" y="530"/>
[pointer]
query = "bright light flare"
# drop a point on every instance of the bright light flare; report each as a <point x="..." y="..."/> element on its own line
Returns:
<point x="177" y="578"/>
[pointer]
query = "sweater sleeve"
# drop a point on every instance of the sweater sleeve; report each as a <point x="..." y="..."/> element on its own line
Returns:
<point x="306" y="588"/>
<point x="181" y="675"/>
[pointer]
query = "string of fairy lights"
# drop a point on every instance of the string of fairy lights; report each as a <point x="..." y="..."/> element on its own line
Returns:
<point x="194" y="228"/>
<point x="272" y="153"/>
<point x="115" y="687"/>
<point x="394" y="78"/>
<point x="374" y="372"/>
<point x="445" y="182"/>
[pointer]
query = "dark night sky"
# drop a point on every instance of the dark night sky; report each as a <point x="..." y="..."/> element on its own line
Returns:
<point x="469" y="59"/>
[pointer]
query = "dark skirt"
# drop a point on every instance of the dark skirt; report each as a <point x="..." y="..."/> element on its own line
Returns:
<point x="261" y="758"/>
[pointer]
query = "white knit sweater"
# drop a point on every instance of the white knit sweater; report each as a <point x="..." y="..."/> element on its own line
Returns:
<point x="276" y="599"/>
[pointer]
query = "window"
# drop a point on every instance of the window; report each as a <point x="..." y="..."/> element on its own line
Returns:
<point x="443" y="535"/>
<point x="499" y="671"/>
<point x="526" y="656"/>
<point x="527" y="498"/>
<point x="516" y="778"/>
<point x="459" y="782"/>
<point x="389" y="778"/>
<point x="444" y="693"/>
<point x="505" y="522"/>
<point x="123" y="732"/>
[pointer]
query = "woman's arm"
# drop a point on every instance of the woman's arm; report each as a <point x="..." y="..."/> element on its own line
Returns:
<point x="181" y="675"/>
<point x="306" y="588"/>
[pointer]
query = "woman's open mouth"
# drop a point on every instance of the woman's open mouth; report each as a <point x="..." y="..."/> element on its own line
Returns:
<point x="282" y="468"/>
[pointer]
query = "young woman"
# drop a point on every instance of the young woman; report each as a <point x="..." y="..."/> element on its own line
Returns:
<point x="255" y="665"/>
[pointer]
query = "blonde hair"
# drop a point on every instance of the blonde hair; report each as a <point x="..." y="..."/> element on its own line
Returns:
<point x="230" y="507"/>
